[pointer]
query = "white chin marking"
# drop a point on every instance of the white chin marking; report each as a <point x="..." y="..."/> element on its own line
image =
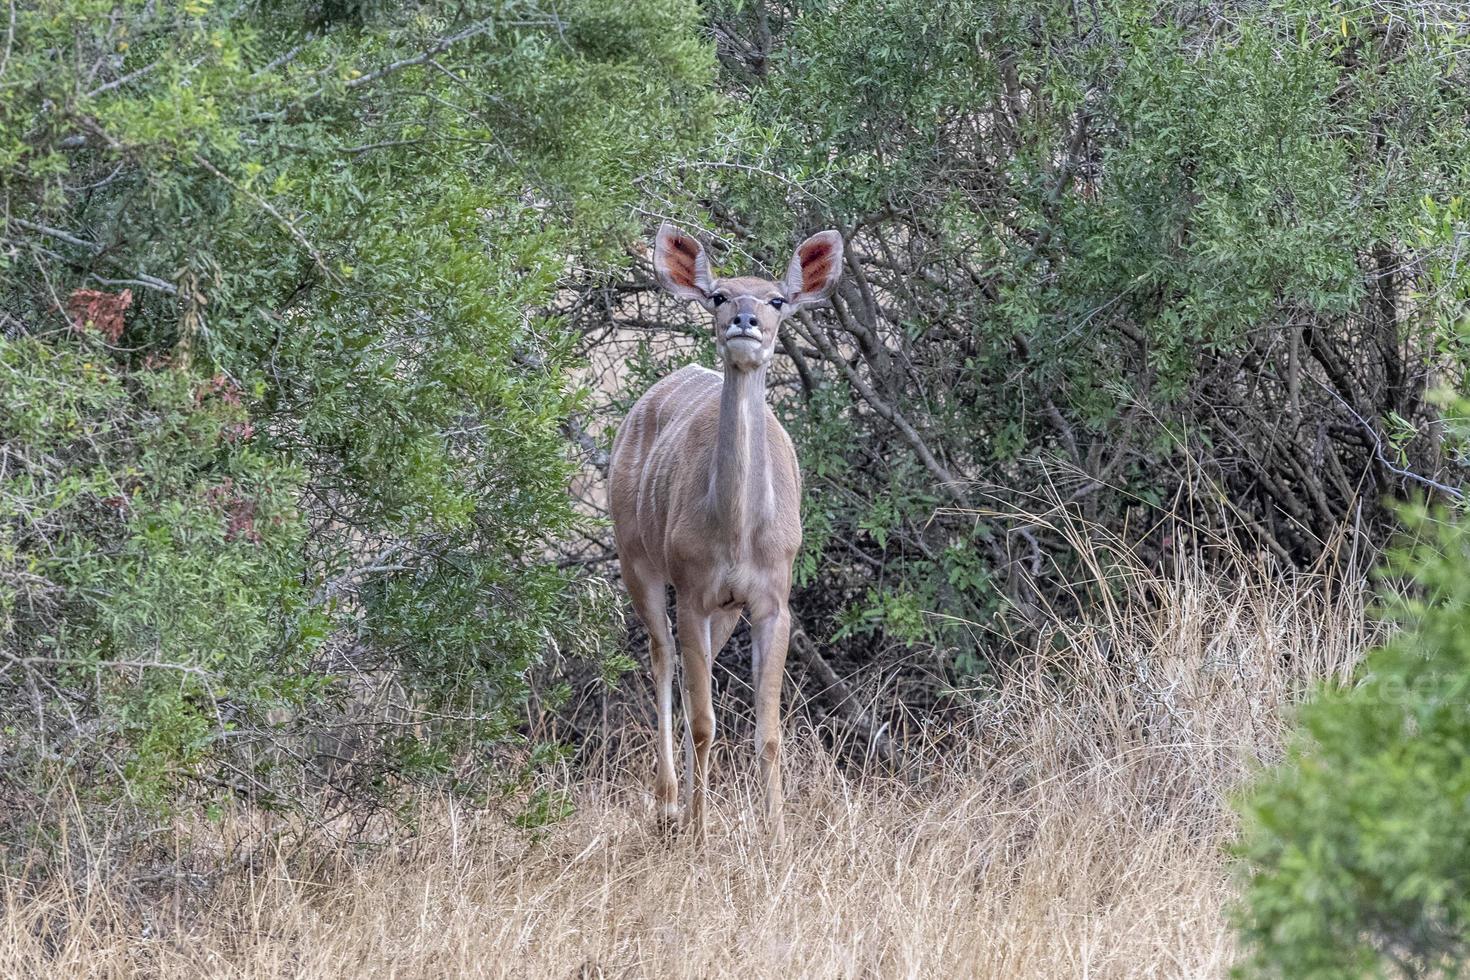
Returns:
<point x="751" y="337"/>
<point x="745" y="356"/>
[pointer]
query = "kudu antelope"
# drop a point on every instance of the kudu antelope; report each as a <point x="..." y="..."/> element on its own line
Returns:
<point x="705" y="495"/>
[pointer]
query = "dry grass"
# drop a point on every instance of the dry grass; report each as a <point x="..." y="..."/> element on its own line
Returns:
<point x="1078" y="830"/>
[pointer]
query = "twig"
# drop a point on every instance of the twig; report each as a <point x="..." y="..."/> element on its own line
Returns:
<point x="58" y="234"/>
<point x="288" y="56"/>
<point x="270" y="209"/>
<point x="572" y="428"/>
<point x="122" y="80"/>
<point x="148" y="282"/>
<point x="9" y="40"/>
<point x="942" y="476"/>
<point x="141" y="664"/>
<point x="1445" y="488"/>
<point x="376" y="566"/>
<point x="444" y="44"/>
<point x="96" y="250"/>
<point x="836" y="692"/>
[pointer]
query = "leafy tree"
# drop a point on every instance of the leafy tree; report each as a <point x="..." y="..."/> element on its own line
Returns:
<point x="281" y="462"/>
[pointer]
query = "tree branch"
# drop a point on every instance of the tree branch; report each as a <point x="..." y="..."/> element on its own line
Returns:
<point x="442" y="45"/>
<point x="96" y="250"/>
<point x="1444" y="488"/>
<point x="946" y="480"/>
<point x="271" y="210"/>
<point x="837" y="694"/>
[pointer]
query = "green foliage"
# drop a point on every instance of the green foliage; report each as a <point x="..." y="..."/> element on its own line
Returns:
<point x="1359" y="843"/>
<point x="312" y="478"/>
<point x="169" y="564"/>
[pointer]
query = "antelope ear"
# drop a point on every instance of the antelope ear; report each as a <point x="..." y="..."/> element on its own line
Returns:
<point x="681" y="265"/>
<point x="814" y="270"/>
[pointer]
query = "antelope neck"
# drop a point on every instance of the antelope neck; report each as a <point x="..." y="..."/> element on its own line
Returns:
<point x="740" y="482"/>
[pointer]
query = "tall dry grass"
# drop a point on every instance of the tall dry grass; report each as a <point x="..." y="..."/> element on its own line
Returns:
<point x="1072" y="824"/>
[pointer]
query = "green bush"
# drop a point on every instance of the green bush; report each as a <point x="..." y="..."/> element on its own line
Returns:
<point x="1359" y="844"/>
<point x="282" y="473"/>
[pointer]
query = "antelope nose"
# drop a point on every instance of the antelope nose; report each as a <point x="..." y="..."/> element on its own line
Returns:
<point x="744" y="323"/>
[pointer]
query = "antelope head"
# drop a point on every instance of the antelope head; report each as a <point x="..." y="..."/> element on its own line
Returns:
<point x="748" y="310"/>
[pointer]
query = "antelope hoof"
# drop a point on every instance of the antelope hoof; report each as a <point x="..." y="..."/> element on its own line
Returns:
<point x="668" y="817"/>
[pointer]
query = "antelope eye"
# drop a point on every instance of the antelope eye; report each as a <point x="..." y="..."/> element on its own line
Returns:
<point x="717" y="298"/>
<point x="778" y="302"/>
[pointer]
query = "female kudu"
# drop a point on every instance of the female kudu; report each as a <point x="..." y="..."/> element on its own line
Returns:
<point x="705" y="496"/>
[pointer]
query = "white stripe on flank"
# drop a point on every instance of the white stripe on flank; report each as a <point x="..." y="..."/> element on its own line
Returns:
<point x="656" y="431"/>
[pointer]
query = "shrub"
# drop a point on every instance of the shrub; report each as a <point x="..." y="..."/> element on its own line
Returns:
<point x="281" y="464"/>
<point x="1359" y="843"/>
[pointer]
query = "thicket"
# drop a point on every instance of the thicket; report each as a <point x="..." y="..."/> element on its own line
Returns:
<point x="1186" y="270"/>
<point x="282" y="474"/>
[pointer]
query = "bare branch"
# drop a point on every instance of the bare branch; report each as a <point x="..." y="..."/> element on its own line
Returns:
<point x="138" y="278"/>
<point x="1454" y="492"/>
<point x="122" y="80"/>
<point x="893" y="416"/>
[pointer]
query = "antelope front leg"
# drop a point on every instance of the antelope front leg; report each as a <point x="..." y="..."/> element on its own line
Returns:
<point x="722" y="624"/>
<point x="699" y="709"/>
<point x="769" y="636"/>
<point x="648" y="599"/>
<point x="661" y="649"/>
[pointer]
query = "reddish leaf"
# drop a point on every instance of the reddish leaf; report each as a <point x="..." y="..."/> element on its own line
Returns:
<point x="99" y="310"/>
